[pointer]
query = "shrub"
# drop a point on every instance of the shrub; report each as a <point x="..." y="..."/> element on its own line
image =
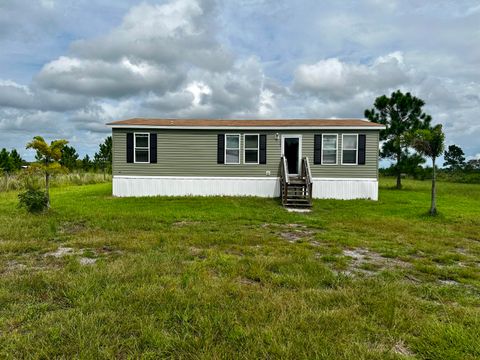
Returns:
<point x="33" y="200"/>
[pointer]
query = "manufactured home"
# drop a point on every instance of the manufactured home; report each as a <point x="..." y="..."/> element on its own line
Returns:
<point x="296" y="159"/>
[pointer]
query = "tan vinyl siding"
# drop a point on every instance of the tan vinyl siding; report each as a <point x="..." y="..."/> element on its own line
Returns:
<point x="194" y="153"/>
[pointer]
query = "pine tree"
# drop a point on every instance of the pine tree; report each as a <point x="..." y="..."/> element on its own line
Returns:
<point x="401" y="114"/>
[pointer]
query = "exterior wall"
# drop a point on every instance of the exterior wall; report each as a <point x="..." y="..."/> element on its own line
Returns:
<point x="239" y="186"/>
<point x="183" y="153"/>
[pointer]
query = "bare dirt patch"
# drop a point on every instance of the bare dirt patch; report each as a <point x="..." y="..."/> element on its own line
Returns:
<point x="14" y="265"/>
<point x="461" y="251"/>
<point x="401" y="349"/>
<point x="87" y="261"/>
<point x="185" y="223"/>
<point x="62" y="251"/>
<point x="90" y="256"/>
<point x="246" y="281"/>
<point x="292" y="233"/>
<point x="297" y="235"/>
<point x="197" y="252"/>
<point x="369" y="262"/>
<point x="362" y="256"/>
<point x="72" y="227"/>
<point x="449" y="282"/>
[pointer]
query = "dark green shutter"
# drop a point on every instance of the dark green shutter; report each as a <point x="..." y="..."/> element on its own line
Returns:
<point x="220" y="148"/>
<point x="129" y="147"/>
<point x="153" y="148"/>
<point x="362" y="141"/>
<point x="317" y="149"/>
<point x="263" y="149"/>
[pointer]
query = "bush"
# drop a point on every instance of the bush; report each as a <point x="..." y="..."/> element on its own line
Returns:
<point x="466" y="177"/>
<point x="33" y="200"/>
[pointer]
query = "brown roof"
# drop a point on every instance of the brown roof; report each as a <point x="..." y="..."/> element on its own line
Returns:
<point x="247" y="123"/>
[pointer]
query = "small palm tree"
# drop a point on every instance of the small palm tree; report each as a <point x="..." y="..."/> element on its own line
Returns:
<point x="430" y="143"/>
<point x="48" y="157"/>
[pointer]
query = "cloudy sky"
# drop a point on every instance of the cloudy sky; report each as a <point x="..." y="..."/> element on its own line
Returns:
<point x="69" y="66"/>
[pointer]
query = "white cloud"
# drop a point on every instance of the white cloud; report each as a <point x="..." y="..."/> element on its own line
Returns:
<point x="171" y="34"/>
<point x="105" y="79"/>
<point x="200" y="92"/>
<point x="94" y="116"/>
<point x="234" y="93"/>
<point x="268" y="104"/>
<point x="335" y="79"/>
<point x="17" y="96"/>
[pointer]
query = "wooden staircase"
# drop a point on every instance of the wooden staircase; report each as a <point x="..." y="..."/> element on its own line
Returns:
<point x="296" y="191"/>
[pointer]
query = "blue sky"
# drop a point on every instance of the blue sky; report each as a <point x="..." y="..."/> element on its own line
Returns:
<point x="68" y="67"/>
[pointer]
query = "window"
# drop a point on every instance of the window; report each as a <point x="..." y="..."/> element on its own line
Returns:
<point x="232" y="149"/>
<point x="329" y="149"/>
<point x="349" y="149"/>
<point x="142" y="147"/>
<point x="250" y="155"/>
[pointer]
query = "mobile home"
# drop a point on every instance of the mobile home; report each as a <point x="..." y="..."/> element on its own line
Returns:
<point x="178" y="157"/>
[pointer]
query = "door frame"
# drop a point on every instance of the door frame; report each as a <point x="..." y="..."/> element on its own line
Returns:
<point x="295" y="136"/>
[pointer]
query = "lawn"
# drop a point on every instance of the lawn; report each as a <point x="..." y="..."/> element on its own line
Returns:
<point x="104" y="277"/>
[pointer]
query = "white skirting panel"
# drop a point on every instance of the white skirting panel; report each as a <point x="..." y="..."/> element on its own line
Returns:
<point x="238" y="186"/>
<point x="345" y="189"/>
<point x="197" y="186"/>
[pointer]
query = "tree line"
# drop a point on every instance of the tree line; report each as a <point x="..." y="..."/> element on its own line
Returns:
<point x="403" y="116"/>
<point x="455" y="167"/>
<point x="11" y="161"/>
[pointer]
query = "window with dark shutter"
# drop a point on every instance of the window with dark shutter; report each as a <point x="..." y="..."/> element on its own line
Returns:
<point x="141" y="148"/>
<point x="251" y="149"/>
<point x="153" y="148"/>
<point x="232" y="149"/>
<point x="220" y="148"/>
<point x="263" y="149"/>
<point x="349" y="149"/>
<point x="129" y="147"/>
<point x="317" y="149"/>
<point x="362" y="145"/>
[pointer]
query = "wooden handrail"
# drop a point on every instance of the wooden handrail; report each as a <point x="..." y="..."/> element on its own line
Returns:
<point x="283" y="179"/>
<point x="284" y="166"/>
<point x="306" y="172"/>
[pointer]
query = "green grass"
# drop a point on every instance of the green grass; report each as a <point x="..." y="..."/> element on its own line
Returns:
<point x="241" y="277"/>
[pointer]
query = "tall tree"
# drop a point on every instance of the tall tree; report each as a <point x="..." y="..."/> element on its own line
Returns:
<point x="430" y="143"/>
<point x="401" y="114"/>
<point x="69" y="157"/>
<point x="6" y="163"/>
<point x="49" y="157"/>
<point x="454" y="158"/>
<point x="16" y="159"/>
<point x="103" y="158"/>
<point x="86" y="163"/>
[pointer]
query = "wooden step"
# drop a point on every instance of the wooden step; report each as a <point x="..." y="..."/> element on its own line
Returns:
<point x="297" y="183"/>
